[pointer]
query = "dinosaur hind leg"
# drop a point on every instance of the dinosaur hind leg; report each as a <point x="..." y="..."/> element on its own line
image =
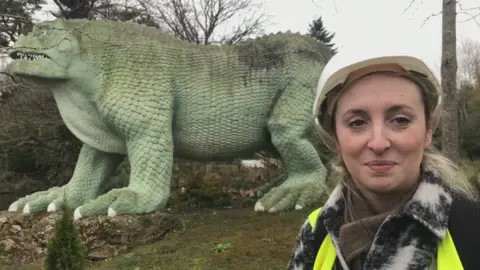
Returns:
<point x="291" y="127"/>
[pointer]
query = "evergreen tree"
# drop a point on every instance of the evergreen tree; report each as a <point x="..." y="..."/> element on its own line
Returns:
<point x="64" y="250"/>
<point x="318" y="31"/>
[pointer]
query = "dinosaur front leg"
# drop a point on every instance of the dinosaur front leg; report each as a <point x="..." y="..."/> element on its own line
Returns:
<point x="291" y="127"/>
<point x="148" y="133"/>
<point x="93" y="168"/>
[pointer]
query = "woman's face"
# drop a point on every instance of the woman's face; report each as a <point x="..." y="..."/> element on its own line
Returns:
<point x="381" y="133"/>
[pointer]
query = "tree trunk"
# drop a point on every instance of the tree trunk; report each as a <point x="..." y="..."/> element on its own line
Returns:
<point x="449" y="80"/>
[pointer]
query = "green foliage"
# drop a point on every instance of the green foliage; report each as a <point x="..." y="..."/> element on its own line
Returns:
<point x="65" y="251"/>
<point x="222" y="247"/>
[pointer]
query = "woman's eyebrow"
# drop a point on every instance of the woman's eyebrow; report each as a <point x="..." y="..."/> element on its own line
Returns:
<point x="399" y="107"/>
<point x="392" y="109"/>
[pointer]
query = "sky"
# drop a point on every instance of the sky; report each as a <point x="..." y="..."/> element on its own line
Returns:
<point x="354" y="22"/>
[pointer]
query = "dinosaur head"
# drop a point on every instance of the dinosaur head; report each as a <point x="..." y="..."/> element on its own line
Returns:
<point x="46" y="53"/>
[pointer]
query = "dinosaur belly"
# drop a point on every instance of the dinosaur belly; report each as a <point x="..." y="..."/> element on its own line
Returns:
<point x="220" y="139"/>
<point x="83" y="120"/>
<point x="223" y="119"/>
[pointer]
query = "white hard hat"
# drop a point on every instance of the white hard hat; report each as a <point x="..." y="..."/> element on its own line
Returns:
<point x="374" y="59"/>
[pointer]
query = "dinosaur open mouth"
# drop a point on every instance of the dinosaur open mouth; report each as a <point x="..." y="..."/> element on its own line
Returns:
<point x="28" y="55"/>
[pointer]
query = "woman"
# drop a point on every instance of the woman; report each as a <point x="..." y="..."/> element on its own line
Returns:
<point x="397" y="204"/>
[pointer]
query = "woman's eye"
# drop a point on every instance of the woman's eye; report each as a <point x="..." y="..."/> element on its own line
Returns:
<point x="355" y="123"/>
<point x="402" y="120"/>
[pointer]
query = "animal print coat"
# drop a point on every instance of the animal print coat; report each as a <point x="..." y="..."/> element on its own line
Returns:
<point x="407" y="240"/>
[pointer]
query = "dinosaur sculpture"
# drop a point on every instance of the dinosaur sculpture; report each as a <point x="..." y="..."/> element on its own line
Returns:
<point x="127" y="89"/>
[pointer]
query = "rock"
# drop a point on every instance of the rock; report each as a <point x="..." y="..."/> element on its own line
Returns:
<point x="24" y="238"/>
<point x="8" y="244"/>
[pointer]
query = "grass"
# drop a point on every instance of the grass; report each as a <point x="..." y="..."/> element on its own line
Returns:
<point x="219" y="239"/>
<point x="212" y="239"/>
<point x="233" y="238"/>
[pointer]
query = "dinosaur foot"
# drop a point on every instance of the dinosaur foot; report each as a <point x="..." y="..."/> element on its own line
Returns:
<point x="51" y="200"/>
<point x="260" y="208"/>
<point x="122" y="201"/>
<point x="294" y="193"/>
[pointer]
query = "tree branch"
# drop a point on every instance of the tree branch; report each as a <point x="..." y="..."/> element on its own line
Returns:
<point x="198" y="20"/>
<point x="461" y="8"/>
<point x="14" y="16"/>
<point x="431" y="16"/>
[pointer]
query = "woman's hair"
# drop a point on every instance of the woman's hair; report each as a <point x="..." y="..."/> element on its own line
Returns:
<point x="433" y="160"/>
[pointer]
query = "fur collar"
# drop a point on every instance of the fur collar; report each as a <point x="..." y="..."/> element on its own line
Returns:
<point x="407" y="240"/>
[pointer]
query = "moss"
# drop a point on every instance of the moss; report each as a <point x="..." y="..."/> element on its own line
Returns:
<point x="263" y="53"/>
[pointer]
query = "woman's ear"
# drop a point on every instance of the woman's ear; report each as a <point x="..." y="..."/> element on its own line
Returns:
<point x="428" y="137"/>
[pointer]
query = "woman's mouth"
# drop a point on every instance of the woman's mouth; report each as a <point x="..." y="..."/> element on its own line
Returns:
<point x="380" y="165"/>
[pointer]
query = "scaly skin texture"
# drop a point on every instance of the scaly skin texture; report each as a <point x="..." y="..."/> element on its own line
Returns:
<point x="126" y="89"/>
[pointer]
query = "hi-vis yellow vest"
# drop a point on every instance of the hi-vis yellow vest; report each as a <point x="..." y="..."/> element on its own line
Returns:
<point x="447" y="256"/>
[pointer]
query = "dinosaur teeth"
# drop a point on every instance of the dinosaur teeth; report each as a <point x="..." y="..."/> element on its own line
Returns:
<point x="30" y="56"/>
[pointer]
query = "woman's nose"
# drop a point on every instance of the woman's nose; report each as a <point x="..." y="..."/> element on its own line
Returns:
<point x="378" y="141"/>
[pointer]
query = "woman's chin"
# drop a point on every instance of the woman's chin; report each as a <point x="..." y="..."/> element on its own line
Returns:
<point x="383" y="185"/>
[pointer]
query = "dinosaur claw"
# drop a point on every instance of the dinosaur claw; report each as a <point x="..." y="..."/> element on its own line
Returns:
<point x="76" y="214"/>
<point x="111" y="212"/>
<point x="298" y="207"/>
<point x="51" y="207"/>
<point x="13" y="207"/>
<point x="26" y="209"/>
<point x="259" y="207"/>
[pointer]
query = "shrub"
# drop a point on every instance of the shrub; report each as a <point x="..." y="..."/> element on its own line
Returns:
<point x="64" y="250"/>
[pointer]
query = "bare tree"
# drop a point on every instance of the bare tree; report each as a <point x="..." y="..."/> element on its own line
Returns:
<point x="449" y="79"/>
<point x="449" y="124"/>
<point x="116" y="10"/>
<point x="16" y="18"/>
<point x="468" y="55"/>
<point x="451" y="11"/>
<point x="198" y="21"/>
<point x="74" y="9"/>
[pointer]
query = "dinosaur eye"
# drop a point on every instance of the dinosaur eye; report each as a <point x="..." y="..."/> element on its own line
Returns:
<point x="42" y="33"/>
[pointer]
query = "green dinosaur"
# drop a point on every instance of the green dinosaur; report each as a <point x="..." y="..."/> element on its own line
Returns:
<point x="127" y="89"/>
